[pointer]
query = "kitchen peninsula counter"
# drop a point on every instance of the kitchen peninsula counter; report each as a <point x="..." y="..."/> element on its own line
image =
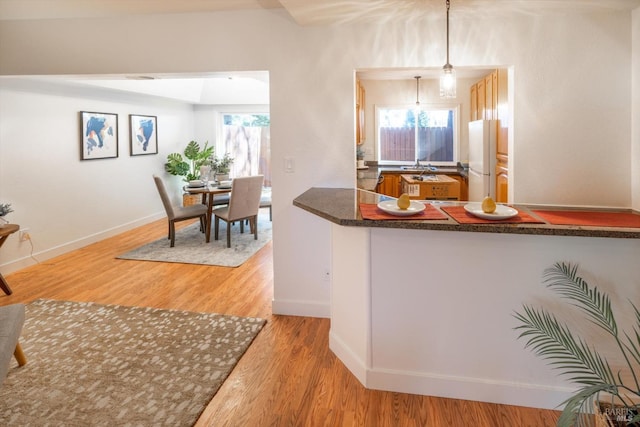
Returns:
<point x="426" y="306"/>
<point x="341" y="206"/>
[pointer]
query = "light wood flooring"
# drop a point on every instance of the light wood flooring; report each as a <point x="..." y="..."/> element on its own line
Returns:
<point x="288" y="376"/>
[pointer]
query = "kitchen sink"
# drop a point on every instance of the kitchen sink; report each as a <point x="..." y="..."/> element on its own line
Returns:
<point x="425" y="177"/>
<point x="414" y="169"/>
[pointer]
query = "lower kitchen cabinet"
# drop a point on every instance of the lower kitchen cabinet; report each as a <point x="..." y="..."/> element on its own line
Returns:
<point x="502" y="184"/>
<point x="389" y="185"/>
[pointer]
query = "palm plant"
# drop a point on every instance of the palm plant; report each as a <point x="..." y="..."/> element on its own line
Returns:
<point x="577" y="359"/>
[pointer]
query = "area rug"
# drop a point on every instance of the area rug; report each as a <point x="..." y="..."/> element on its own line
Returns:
<point x="191" y="248"/>
<point x="108" y="365"/>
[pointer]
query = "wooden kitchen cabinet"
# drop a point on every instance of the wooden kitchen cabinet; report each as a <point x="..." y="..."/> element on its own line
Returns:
<point x="502" y="112"/>
<point x="473" y="104"/>
<point x="360" y="109"/>
<point x="482" y="97"/>
<point x="502" y="184"/>
<point x="389" y="185"/>
<point x="464" y="186"/>
<point x="491" y="95"/>
<point x="490" y="101"/>
<point x="502" y="143"/>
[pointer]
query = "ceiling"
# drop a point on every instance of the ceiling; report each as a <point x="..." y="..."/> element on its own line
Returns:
<point x="253" y="87"/>
<point x="304" y="12"/>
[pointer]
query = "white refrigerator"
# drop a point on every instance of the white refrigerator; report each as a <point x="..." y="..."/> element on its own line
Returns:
<point x="482" y="159"/>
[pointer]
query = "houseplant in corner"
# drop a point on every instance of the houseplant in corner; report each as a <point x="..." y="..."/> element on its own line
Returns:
<point x="189" y="166"/>
<point x="600" y="387"/>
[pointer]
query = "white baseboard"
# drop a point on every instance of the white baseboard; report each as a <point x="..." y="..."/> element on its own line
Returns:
<point x="351" y="360"/>
<point x="482" y="390"/>
<point x="62" y="249"/>
<point x="300" y="308"/>
<point x="430" y="384"/>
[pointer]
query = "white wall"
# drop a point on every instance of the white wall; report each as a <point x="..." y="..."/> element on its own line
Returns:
<point x="572" y="126"/>
<point x="65" y="202"/>
<point x="635" y="114"/>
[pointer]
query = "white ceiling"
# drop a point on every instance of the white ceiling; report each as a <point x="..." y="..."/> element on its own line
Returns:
<point x="253" y="87"/>
<point x="304" y="12"/>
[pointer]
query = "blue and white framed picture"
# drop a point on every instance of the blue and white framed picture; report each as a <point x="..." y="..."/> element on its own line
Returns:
<point x="98" y="135"/>
<point x="144" y="134"/>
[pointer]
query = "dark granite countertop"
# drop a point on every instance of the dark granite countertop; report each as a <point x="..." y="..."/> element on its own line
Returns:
<point x="341" y="206"/>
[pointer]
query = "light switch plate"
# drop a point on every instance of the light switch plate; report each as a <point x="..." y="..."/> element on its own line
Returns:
<point x="289" y="165"/>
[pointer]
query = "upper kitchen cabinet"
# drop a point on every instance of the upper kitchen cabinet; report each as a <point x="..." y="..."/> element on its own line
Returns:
<point x="360" y="100"/>
<point x="491" y="95"/>
<point x="501" y="114"/>
<point x="474" y="103"/>
<point x="484" y="98"/>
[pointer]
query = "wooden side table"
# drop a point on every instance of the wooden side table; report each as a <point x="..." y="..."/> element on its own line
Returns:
<point x="5" y="232"/>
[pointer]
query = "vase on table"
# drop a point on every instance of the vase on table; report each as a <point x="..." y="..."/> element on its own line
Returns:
<point x="3" y="221"/>
<point x="222" y="177"/>
<point x="205" y="174"/>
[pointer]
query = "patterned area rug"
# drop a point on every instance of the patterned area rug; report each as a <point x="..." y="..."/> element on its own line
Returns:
<point x="107" y="365"/>
<point x="191" y="248"/>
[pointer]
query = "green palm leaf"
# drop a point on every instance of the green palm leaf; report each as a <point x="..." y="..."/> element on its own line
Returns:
<point x="555" y="342"/>
<point x="632" y="345"/>
<point x="581" y="363"/>
<point x="563" y="279"/>
<point x="577" y="409"/>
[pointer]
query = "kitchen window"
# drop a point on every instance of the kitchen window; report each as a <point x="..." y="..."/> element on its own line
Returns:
<point x="428" y="134"/>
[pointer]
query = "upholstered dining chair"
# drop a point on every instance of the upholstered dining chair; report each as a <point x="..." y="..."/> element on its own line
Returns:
<point x="179" y="213"/>
<point x="265" y="202"/>
<point x="244" y="203"/>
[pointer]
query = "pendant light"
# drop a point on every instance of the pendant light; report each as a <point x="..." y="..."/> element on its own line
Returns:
<point x="448" y="76"/>
<point x="417" y="90"/>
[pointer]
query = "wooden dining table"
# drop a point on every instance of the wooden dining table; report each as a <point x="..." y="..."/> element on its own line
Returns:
<point x="208" y="194"/>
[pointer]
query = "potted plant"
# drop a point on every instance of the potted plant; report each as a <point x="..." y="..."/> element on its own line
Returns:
<point x="5" y="208"/>
<point x="221" y="166"/>
<point x="360" y="157"/>
<point x="618" y="392"/>
<point x="189" y="166"/>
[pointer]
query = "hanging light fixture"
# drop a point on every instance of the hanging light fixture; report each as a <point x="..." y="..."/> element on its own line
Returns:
<point x="448" y="76"/>
<point x="417" y="90"/>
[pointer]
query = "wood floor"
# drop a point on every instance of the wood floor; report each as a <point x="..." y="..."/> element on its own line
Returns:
<point x="288" y="377"/>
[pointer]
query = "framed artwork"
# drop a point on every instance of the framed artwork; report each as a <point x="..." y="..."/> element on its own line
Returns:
<point x="98" y="135"/>
<point x="143" y="134"/>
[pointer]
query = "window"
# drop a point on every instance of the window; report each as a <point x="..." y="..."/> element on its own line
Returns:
<point x="432" y="138"/>
<point x="246" y="137"/>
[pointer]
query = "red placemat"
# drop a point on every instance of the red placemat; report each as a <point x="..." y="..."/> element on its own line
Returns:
<point x="463" y="217"/>
<point x="588" y="218"/>
<point x="371" y="211"/>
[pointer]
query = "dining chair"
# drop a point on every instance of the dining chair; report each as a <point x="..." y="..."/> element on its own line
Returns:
<point x="265" y="202"/>
<point x="179" y="213"/>
<point x="244" y="203"/>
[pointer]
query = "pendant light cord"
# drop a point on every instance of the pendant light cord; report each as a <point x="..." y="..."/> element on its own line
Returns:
<point x="448" y="5"/>
<point x="417" y="89"/>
